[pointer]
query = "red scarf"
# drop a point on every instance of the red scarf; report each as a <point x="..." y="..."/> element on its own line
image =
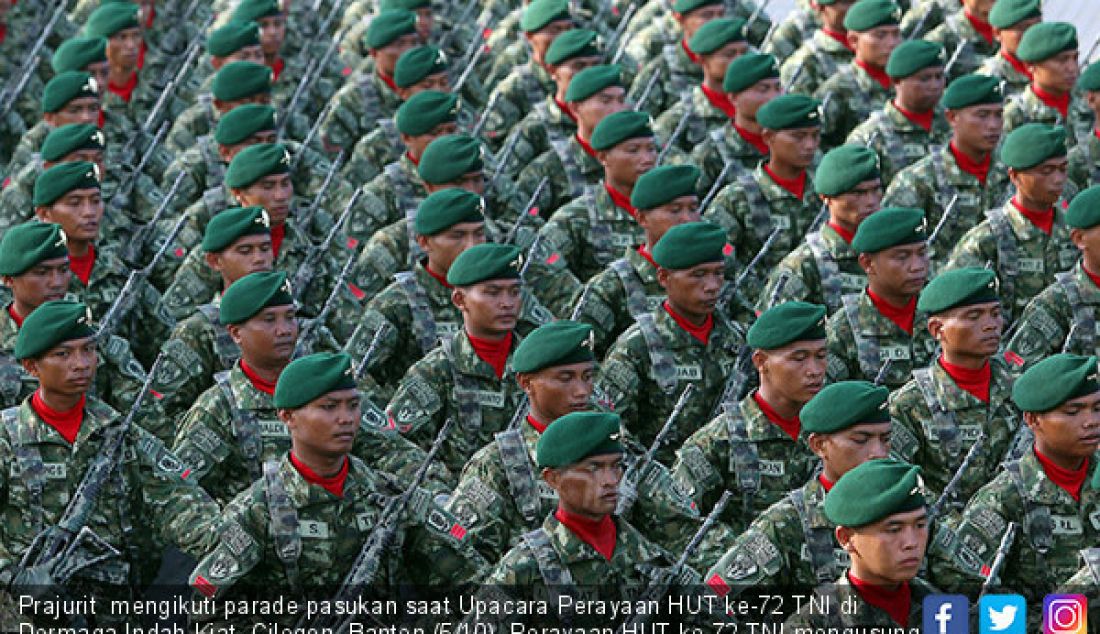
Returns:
<point x="66" y="423"/>
<point x="267" y="387"/>
<point x="495" y="353"/>
<point x="277" y="235"/>
<point x="82" y="265"/>
<point x="599" y="534"/>
<point x="621" y="200"/>
<point x="825" y="482"/>
<point x="839" y="36"/>
<point x="753" y="139"/>
<point x="896" y="603"/>
<point x="720" y="100"/>
<point x="923" y="119"/>
<point x="15" y="316"/>
<point x="125" y="91"/>
<point x="585" y="145"/>
<point x="152" y="16"/>
<point x="877" y="74"/>
<point x="1096" y="132"/>
<point x="903" y="316"/>
<point x="1061" y="104"/>
<point x="442" y="279"/>
<point x="539" y="427"/>
<point x="796" y="186"/>
<point x="790" y="426"/>
<point x="701" y="333"/>
<point x="566" y="110"/>
<point x="277" y="69"/>
<point x="983" y="28"/>
<point x="974" y="381"/>
<point x="412" y="159"/>
<point x="687" y="50"/>
<point x="3" y="33"/>
<point x="141" y="56"/>
<point x="643" y="251"/>
<point x="102" y="120"/>
<point x="842" y="232"/>
<point x="1068" y="480"/>
<point x="334" y="485"/>
<point x="1016" y="63"/>
<point x="1043" y="220"/>
<point x="979" y="170"/>
<point x="1095" y="280"/>
<point x="386" y="79"/>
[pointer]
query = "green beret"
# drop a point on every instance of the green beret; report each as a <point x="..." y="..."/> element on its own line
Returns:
<point x="690" y="244"/>
<point x="444" y="209"/>
<point x="748" y="69"/>
<point x="556" y="343"/>
<point x="66" y="86"/>
<point x="1084" y="210"/>
<point x="787" y="323"/>
<point x="619" y="127"/>
<point x="425" y="110"/>
<point x="890" y="227"/>
<point x="483" y="262"/>
<point x="238" y="80"/>
<point x="592" y="80"/>
<point x="311" y="377"/>
<point x="256" y="161"/>
<point x="572" y="44"/>
<point x="846" y="404"/>
<point x="1053" y="381"/>
<point x="576" y="436"/>
<point x="790" y="111"/>
<point x="243" y="121"/>
<point x="387" y="26"/>
<point x="416" y="64"/>
<point x="868" y="14"/>
<point x="1006" y="13"/>
<point x="111" y="18"/>
<point x="1031" y="144"/>
<point x="69" y="138"/>
<point x="1090" y="78"/>
<point x="874" y="491"/>
<point x="51" y="324"/>
<point x="958" y="287"/>
<point x="26" y="245"/>
<point x="246" y="297"/>
<point x="1045" y="40"/>
<point x="684" y="7"/>
<point x="913" y="56"/>
<point x="407" y="5"/>
<point x="78" y="52"/>
<point x="664" y="184"/>
<point x="232" y="224"/>
<point x="448" y="158"/>
<point x="845" y="167"/>
<point x="253" y="10"/>
<point x="972" y="90"/>
<point x="62" y="179"/>
<point x="715" y="34"/>
<point x="232" y="37"/>
<point x="540" y="13"/>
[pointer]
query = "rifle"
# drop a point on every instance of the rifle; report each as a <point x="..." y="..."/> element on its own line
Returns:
<point x="308" y="268"/>
<point x="519" y="414"/>
<point x="768" y="35"/>
<point x="880" y="376"/>
<point x="994" y="576"/>
<point x="714" y="188"/>
<point x="742" y="366"/>
<point x="644" y="97"/>
<point x="794" y="78"/>
<point x="29" y="62"/>
<point x="470" y="63"/>
<point x="579" y="306"/>
<point x="617" y="35"/>
<point x="628" y="487"/>
<point x="1069" y="337"/>
<point x="943" y="219"/>
<point x="315" y="204"/>
<point x="446" y="40"/>
<point x="375" y="341"/>
<point x="954" y="58"/>
<point x="675" y="133"/>
<point x="822" y="214"/>
<point x="754" y="16"/>
<point x="530" y="255"/>
<point x="127" y="186"/>
<point x="134" y="248"/>
<point x="310" y="332"/>
<point x="511" y="235"/>
<point x="502" y="159"/>
<point x="484" y="118"/>
<point x="731" y="289"/>
<point x="949" y="491"/>
<point x="313" y="129"/>
<point x="314" y="70"/>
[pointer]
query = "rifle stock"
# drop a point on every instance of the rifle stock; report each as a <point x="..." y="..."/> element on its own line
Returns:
<point x="628" y="487"/>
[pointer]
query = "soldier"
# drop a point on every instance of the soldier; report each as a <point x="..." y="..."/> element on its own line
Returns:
<point x="684" y="341"/>
<point x="1084" y="158"/>
<point x="880" y="335"/>
<point x="821" y="55"/>
<point x="967" y="167"/>
<point x="1050" y="52"/>
<point x="1026" y="242"/>
<point x="824" y="267"/>
<point x="752" y="447"/>
<point x="678" y="26"/>
<point x="796" y="28"/>
<point x="233" y="42"/>
<point x="963" y="398"/>
<point x="966" y="36"/>
<point x="858" y="89"/>
<point x="1045" y="492"/>
<point x="910" y="124"/>
<point x="87" y="54"/>
<point x="882" y="522"/>
<point x="1010" y="20"/>
<point x="846" y="424"/>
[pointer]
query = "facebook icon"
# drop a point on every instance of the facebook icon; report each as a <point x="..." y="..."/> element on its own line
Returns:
<point x="946" y="614"/>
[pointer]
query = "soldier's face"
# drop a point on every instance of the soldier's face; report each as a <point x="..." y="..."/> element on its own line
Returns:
<point x="43" y="282"/>
<point x="250" y="254"/>
<point x="325" y="427"/>
<point x="424" y="22"/>
<point x="875" y="45"/>
<point x="922" y="91"/>
<point x="655" y="222"/>
<point x="1088" y="241"/>
<point x="254" y="53"/>
<point x="977" y="129"/>
<point x="1070" y="431"/>
<point x="385" y="58"/>
<point x="489" y="309"/>
<point x="979" y="8"/>
<point x="83" y="110"/>
<point x="272" y="192"/>
<point x="444" y="247"/>
<point x="795" y="147"/>
<point x="749" y="100"/>
<point x="1010" y="37"/>
<point x="625" y="162"/>
<point x="542" y="39"/>
<point x="715" y="64"/>
<point x="272" y="34"/>
<point x="557" y="391"/>
<point x="693" y="292"/>
<point x="853" y="207"/>
<point x="1057" y="74"/>
<point x="593" y="110"/>
<point x="889" y="551"/>
<point x="969" y="334"/>
<point x="99" y="71"/>
<point x="268" y="338"/>
<point x="79" y="213"/>
<point x="66" y="369"/>
<point x="563" y="73"/>
<point x="123" y="48"/>
<point x="438" y="82"/>
<point x="842" y="451"/>
<point x="418" y="143"/>
<point x="833" y="15"/>
<point x="899" y="271"/>
<point x="692" y="21"/>
<point x="1041" y="185"/>
<point x="589" y="488"/>
<point x="793" y="373"/>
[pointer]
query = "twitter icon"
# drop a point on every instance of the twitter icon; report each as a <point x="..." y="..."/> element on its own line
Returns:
<point x="1002" y="614"/>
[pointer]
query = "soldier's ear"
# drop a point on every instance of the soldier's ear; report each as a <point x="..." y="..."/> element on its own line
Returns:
<point x="234" y="332"/>
<point x="524" y="381"/>
<point x="816" y="443"/>
<point x="662" y="277"/>
<point x="759" y="357"/>
<point x="1077" y="236"/>
<point x="866" y="262"/>
<point x="213" y="261"/>
<point x="552" y="477"/>
<point x="42" y="213"/>
<point x="458" y="298"/>
<point x="7" y="280"/>
<point x="844" y="538"/>
<point x="1031" y="419"/>
<point x="935" y="327"/>
<point x="31" y="366"/>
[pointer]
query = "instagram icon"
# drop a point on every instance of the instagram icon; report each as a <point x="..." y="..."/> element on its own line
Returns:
<point x="1065" y="614"/>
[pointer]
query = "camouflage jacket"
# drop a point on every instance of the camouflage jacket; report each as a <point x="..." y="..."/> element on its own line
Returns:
<point x="1067" y="306"/>
<point x="821" y="270"/>
<point x="1026" y="107"/>
<point x="363" y="101"/>
<point x="925" y="15"/>
<point x="898" y="141"/>
<point x="569" y="169"/>
<point x="849" y="98"/>
<point x="857" y="615"/>
<point x="702" y="117"/>
<point x="373" y="152"/>
<point x="798" y="27"/>
<point x="1013" y="82"/>
<point x="861" y="340"/>
<point x="1086" y="580"/>
<point x="672" y="74"/>
<point x="142" y="101"/>
<point x="590" y="231"/>
<point x="654" y="26"/>
<point x="723" y="145"/>
<point x="201" y="119"/>
<point x="956" y="33"/>
<point x="399" y="190"/>
<point x="523" y="88"/>
<point x="545" y="123"/>
<point x="816" y="60"/>
<point x="627" y="288"/>
<point x="1084" y="162"/>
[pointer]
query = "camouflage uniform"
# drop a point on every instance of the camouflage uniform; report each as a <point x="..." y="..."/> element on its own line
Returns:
<point x="523" y="88"/>
<point x="821" y="270"/>
<point x="661" y="28"/>
<point x="617" y="295"/>
<point x="957" y="31"/>
<point x="201" y="119"/>
<point x="1013" y="81"/>
<point x="924" y="16"/>
<point x="363" y="101"/>
<point x="569" y="169"/>
<point x="142" y="100"/>
<point x="676" y="75"/>
<point x="815" y="61"/>
<point x="1066" y="305"/>
<point x="590" y="231"/>
<point x="1026" y="107"/>
<point x="374" y="152"/>
<point x="1086" y="581"/>
<point x="723" y="145"/>
<point x="702" y="118"/>
<point x="857" y="615"/>
<point x="544" y="124"/>
<point x="850" y="97"/>
<point x="393" y="195"/>
<point x="796" y="28"/>
<point x="1084" y="162"/>
<point x="897" y="141"/>
<point x="861" y="340"/>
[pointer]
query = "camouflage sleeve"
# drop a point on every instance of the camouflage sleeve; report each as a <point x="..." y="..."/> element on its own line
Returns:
<point x="237" y="547"/>
<point x="7" y="557"/>
<point x="369" y="215"/>
<point x="723" y="211"/>
<point x="976" y="248"/>
<point x="564" y="233"/>
<point x="485" y="506"/>
<point x="152" y="324"/>
<point x="123" y="374"/>
<point x="551" y="197"/>
<point x="785" y="40"/>
<point x="621" y="375"/>
<point x="754" y="559"/>
<point x="551" y="283"/>
<point x="386" y="450"/>
<point x="504" y="116"/>
<point x="802" y="281"/>
<point x="700" y="465"/>
<point x="642" y="82"/>
<point x="804" y="80"/>
<point x="1014" y="117"/>
<point x="1042" y="328"/>
<point x="437" y="548"/>
<point x="516" y="569"/>
<point x="842" y="362"/>
<point x="523" y="150"/>
<point x="910" y="188"/>
<point x="184" y="374"/>
<point x="605" y="299"/>
<point x="419" y="406"/>
<point x="973" y="542"/>
<point x="203" y="442"/>
<point x="341" y="127"/>
<point x="1079" y="168"/>
<point x="194" y="284"/>
<point x="380" y="368"/>
<point x="907" y="410"/>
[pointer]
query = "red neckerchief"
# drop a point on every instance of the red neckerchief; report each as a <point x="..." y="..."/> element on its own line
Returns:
<point x="621" y="200"/>
<point x="334" y="485"/>
<point x="687" y="50"/>
<point x="1069" y="481"/>
<point x="643" y="251"/>
<point x="796" y="186"/>
<point x="82" y="265"/>
<point x="415" y="161"/>
<point x="753" y="139"/>
<point x="599" y="534"/>
<point x="1043" y="220"/>
<point x="1061" y="104"/>
<point x="903" y="316"/>
<point x="102" y="119"/>
<point x="701" y="333"/>
<point x="566" y="110"/>
<point x="839" y="36"/>
<point x="790" y="426"/>
<point x="125" y="91"/>
<point x="442" y="279"/>
<point x="983" y="28"/>
<point x="386" y="79"/>
<point x="152" y="16"/>
<point x="923" y="119"/>
<point x="66" y="423"/>
<point x="974" y="381"/>
<point x="1096" y="132"/>
<point x="1095" y="280"/>
<point x="495" y="353"/>
<point x="825" y="482"/>
<point x="141" y="55"/>
<point x="3" y="33"/>
<point x="539" y="427"/>
<point x="896" y="603"/>
<point x="877" y="74"/>
<point x="15" y="316"/>
<point x="277" y="68"/>
<point x="1016" y="63"/>
<point x="277" y="235"/>
<point x="720" y="100"/>
<point x="585" y="145"/>
<point x="842" y="232"/>
<point x="978" y="170"/>
<point x="267" y="387"/>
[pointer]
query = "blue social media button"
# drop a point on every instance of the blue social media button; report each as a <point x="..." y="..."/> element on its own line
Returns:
<point x="1002" y="614"/>
<point x="946" y="614"/>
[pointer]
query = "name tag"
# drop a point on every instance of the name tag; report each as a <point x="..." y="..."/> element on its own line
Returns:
<point x="781" y="222"/>
<point x="969" y="433"/>
<point x="1031" y="265"/>
<point x="446" y="328"/>
<point x="893" y="353"/>
<point x="653" y="301"/>
<point x="688" y="372"/>
<point x="622" y="240"/>
<point x="274" y="428"/>
<point x="969" y="200"/>
<point x="313" y="529"/>
<point x="852" y="282"/>
<point x="365" y="522"/>
<point x="913" y="150"/>
<point x="1067" y="525"/>
<point x="55" y="470"/>
<point x="773" y="468"/>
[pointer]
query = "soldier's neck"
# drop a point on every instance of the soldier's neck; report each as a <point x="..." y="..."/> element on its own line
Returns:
<point x="57" y="401"/>
<point x="1058" y="459"/>
<point x="324" y="465"/>
<point x="1027" y="202"/>
<point x="784" y="170"/>
<point x="747" y="124"/>
<point x="78" y="248"/>
<point x="623" y="188"/>
<point x="484" y="334"/>
<point x="268" y="370"/>
<point x="713" y="84"/>
<point x="120" y="75"/>
<point x="892" y="297"/>
<point x="970" y="152"/>
<point x="858" y="571"/>
<point x="22" y="308"/>
<point x="964" y="360"/>
<point x="787" y="408"/>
